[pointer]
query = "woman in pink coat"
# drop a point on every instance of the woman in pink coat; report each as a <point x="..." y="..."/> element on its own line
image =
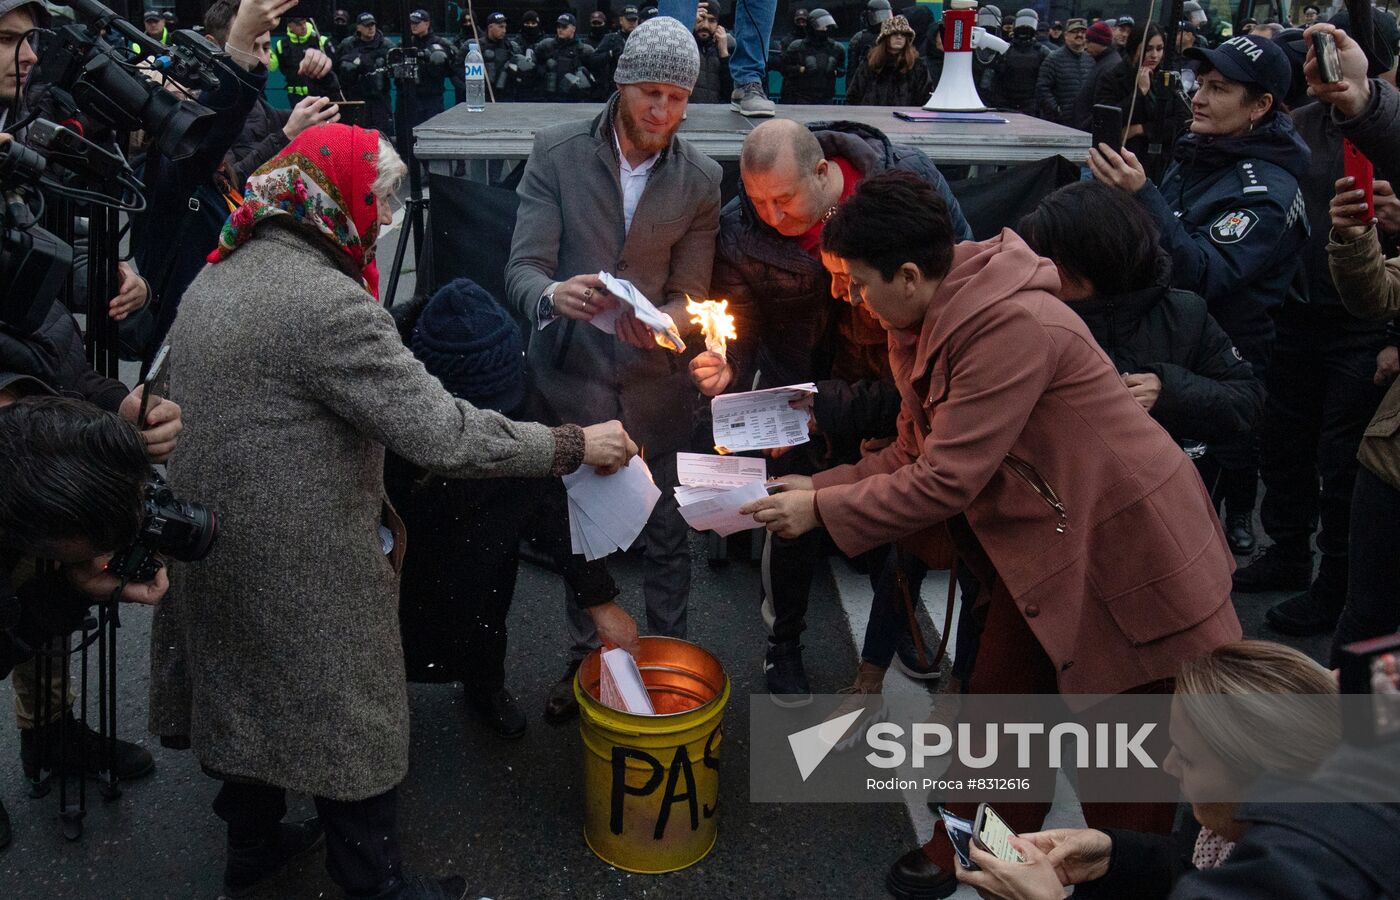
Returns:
<point x="1103" y="564"/>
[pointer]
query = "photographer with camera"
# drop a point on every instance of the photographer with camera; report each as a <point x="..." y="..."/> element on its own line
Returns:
<point x="363" y="61"/>
<point x="435" y="56"/>
<point x="71" y="481"/>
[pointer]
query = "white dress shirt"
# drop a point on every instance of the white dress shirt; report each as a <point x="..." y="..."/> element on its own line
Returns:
<point x="633" y="180"/>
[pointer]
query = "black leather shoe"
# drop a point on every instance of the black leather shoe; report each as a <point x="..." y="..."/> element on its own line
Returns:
<point x="250" y="868"/>
<point x="427" y="887"/>
<point x="1276" y="569"/>
<point x="1303" y="615"/>
<point x="560" y="706"/>
<point x="915" y="877"/>
<point x="500" y="712"/>
<point x="785" y="674"/>
<point x="1239" y="532"/>
<point x="6" y="834"/>
<point x="83" y="750"/>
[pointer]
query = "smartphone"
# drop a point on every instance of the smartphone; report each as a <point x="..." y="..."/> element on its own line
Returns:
<point x="1107" y="126"/>
<point x="1329" y="62"/>
<point x="960" y="834"/>
<point x="1356" y="165"/>
<point x="993" y="835"/>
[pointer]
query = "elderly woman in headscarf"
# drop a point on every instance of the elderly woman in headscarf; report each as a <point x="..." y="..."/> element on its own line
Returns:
<point x="892" y="73"/>
<point x="278" y="657"/>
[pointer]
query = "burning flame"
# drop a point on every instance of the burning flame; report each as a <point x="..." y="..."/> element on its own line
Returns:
<point x="715" y="322"/>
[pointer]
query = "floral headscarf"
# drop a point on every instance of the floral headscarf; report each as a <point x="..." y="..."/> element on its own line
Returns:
<point x="323" y="180"/>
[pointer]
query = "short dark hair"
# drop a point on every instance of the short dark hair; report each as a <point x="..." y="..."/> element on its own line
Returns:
<point x="68" y="471"/>
<point x="218" y="19"/>
<point x="1098" y="234"/>
<point x="893" y="218"/>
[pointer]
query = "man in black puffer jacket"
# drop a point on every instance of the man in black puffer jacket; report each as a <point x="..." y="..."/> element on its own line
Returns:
<point x="1176" y="360"/>
<point x="793" y="326"/>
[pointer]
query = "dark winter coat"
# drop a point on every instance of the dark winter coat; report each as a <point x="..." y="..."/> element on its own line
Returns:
<point x="564" y="64"/>
<point x="1162" y="112"/>
<point x="714" y="85"/>
<point x="1104" y="63"/>
<point x="1231" y="215"/>
<point x="605" y="57"/>
<point x="889" y="86"/>
<point x="358" y="63"/>
<point x="779" y="294"/>
<point x="1208" y="392"/>
<point x="860" y="45"/>
<point x="1061" y="79"/>
<point x="1012" y="79"/>
<point x="810" y="68"/>
<point x="261" y="139"/>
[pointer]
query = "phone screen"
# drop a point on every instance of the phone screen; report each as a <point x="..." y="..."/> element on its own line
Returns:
<point x="995" y="836"/>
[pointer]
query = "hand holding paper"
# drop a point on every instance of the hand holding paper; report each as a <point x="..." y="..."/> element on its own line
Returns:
<point x="630" y="299"/>
<point x="787" y="514"/>
<point x="713" y="488"/>
<point x="759" y="420"/>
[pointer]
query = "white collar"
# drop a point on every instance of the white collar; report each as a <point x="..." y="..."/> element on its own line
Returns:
<point x="627" y="168"/>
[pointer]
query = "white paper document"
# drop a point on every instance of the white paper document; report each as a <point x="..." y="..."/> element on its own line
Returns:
<point x="627" y="295"/>
<point x="709" y="470"/>
<point x="713" y="488"/>
<point x="758" y="420"/>
<point x="720" y="513"/>
<point x="622" y="686"/>
<point x="606" y="513"/>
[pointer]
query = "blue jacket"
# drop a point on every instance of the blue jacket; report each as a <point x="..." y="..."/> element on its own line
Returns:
<point x="1231" y="215"/>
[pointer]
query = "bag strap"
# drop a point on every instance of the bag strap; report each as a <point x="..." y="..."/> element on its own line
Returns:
<point x="907" y="600"/>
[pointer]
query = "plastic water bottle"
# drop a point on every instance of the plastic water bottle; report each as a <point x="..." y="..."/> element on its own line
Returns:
<point x="475" y="77"/>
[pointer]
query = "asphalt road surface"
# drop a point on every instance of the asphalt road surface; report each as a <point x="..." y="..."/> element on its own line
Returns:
<point x="507" y="814"/>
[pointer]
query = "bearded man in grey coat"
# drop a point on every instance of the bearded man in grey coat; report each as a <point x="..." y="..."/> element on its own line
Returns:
<point x="621" y="194"/>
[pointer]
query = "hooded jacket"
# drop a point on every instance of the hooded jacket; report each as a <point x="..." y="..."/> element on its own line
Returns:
<point x="1208" y="392"/>
<point x="1231" y="216"/>
<point x="1098" y="526"/>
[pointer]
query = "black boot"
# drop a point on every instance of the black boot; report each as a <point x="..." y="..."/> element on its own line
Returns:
<point x="915" y="877"/>
<point x="426" y="887"/>
<point x="83" y="751"/>
<point x="787" y="679"/>
<point x="499" y="711"/>
<point x="252" y="866"/>
<point x="6" y="835"/>
<point x="1278" y="568"/>
<point x="561" y="706"/>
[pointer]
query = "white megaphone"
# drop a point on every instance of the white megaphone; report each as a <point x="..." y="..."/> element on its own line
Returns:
<point x="961" y="35"/>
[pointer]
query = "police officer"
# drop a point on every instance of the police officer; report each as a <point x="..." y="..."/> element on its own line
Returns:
<point x="1231" y="215"/>
<point x="503" y="57"/>
<point x="565" y="61"/>
<point x="362" y="64"/>
<point x="609" y="50"/>
<point x="435" y="60"/>
<point x="811" y="64"/>
<point x="154" y="26"/>
<point x="287" y="54"/>
<point x="876" y="13"/>
<point x="530" y="31"/>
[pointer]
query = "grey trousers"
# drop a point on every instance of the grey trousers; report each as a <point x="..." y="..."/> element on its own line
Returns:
<point x="666" y="570"/>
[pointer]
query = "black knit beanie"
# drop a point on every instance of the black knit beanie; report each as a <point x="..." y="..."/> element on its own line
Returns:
<point x="467" y="340"/>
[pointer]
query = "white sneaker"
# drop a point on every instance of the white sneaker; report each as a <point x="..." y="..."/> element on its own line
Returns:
<point x="749" y="100"/>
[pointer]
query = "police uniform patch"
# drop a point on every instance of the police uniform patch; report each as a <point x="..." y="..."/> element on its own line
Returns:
<point x="1231" y="227"/>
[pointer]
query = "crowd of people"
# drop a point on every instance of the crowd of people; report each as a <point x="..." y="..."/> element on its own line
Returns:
<point x="1073" y="414"/>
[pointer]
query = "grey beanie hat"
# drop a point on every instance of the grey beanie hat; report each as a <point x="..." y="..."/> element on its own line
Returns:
<point x="661" y="50"/>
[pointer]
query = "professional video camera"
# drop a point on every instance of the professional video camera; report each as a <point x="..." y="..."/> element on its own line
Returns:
<point x="179" y="529"/>
<point x="87" y="76"/>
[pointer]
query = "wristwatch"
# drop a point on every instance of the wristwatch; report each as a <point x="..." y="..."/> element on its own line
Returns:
<point x="545" y="310"/>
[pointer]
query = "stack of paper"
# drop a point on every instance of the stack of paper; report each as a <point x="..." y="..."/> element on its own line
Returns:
<point x="628" y="296"/>
<point x="606" y="513"/>
<point x="622" y="686"/>
<point x="758" y="420"/>
<point x="714" y="488"/>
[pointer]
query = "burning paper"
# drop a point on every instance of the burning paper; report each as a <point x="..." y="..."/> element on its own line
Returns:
<point x="715" y="322"/>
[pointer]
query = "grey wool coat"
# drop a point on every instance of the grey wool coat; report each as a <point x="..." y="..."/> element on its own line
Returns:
<point x="570" y="223"/>
<point x="279" y="654"/>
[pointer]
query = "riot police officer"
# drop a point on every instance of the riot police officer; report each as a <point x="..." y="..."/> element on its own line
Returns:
<point x="565" y="61"/>
<point x="609" y="50"/>
<point x="435" y="57"/>
<point x="287" y="54"/>
<point x="811" y="64"/>
<point x="364" y="74"/>
<point x="505" y="60"/>
<point x="877" y="12"/>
